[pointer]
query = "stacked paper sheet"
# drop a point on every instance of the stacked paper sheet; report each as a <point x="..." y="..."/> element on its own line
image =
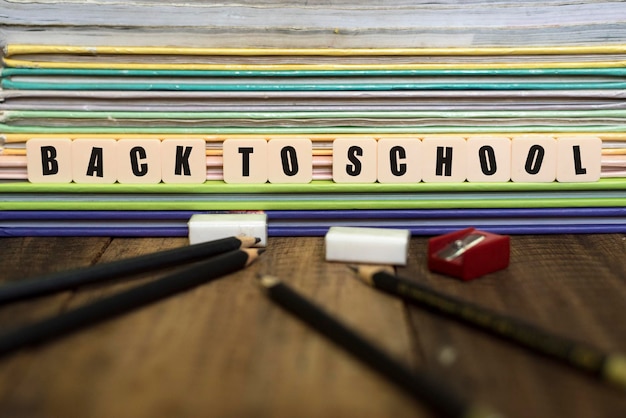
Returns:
<point x="322" y="94"/>
<point x="314" y="24"/>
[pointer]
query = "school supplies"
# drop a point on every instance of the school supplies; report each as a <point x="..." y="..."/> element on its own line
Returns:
<point x="417" y="384"/>
<point x="608" y="367"/>
<point x="228" y="261"/>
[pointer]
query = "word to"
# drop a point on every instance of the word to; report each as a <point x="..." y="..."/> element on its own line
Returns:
<point x="355" y="160"/>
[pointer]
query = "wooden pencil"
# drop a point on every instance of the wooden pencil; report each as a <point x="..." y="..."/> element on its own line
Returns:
<point x="69" y="279"/>
<point x="128" y="300"/>
<point x="608" y="367"/>
<point x="419" y="385"/>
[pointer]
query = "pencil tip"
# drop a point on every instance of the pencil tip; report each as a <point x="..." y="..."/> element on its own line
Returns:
<point x="615" y="370"/>
<point x="253" y="254"/>
<point x="481" y="411"/>
<point x="353" y="268"/>
<point x="268" y="281"/>
<point x="247" y="241"/>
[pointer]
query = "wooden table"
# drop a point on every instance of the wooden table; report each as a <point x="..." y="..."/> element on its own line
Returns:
<point x="224" y="350"/>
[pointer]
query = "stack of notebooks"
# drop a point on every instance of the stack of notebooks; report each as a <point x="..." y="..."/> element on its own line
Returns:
<point x="321" y="94"/>
<point x="217" y="93"/>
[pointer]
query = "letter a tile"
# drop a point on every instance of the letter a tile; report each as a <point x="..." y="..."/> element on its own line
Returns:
<point x="94" y="160"/>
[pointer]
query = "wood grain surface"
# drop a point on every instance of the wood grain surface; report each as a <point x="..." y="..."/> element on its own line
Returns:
<point x="224" y="350"/>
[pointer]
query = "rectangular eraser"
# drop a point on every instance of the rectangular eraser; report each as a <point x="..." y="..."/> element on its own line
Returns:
<point x="367" y="245"/>
<point x="209" y="227"/>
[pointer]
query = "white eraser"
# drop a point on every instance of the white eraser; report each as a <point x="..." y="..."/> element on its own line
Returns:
<point x="367" y="245"/>
<point x="209" y="227"/>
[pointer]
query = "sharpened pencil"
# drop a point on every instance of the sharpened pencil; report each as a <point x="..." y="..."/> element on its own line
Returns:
<point x="608" y="367"/>
<point x="419" y="385"/>
<point x="69" y="279"/>
<point x="128" y="300"/>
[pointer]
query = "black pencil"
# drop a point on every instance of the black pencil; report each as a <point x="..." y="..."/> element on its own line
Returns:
<point x="608" y="367"/>
<point x="128" y="300"/>
<point x="69" y="279"/>
<point x="418" y="385"/>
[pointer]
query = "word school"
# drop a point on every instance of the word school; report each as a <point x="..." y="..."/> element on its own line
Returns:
<point x="529" y="158"/>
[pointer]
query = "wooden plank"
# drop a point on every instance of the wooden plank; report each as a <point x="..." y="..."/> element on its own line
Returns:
<point x="24" y="258"/>
<point x="222" y="348"/>
<point x="570" y="285"/>
<point x="226" y="350"/>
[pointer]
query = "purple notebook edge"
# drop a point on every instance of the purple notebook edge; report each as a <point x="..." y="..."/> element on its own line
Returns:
<point x="321" y="214"/>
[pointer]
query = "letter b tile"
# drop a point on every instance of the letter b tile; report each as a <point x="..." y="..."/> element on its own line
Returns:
<point x="49" y="160"/>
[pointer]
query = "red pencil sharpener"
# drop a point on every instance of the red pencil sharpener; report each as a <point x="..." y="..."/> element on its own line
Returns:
<point x="468" y="253"/>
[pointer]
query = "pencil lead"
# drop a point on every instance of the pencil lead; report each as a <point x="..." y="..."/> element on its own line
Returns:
<point x="481" y="411"/>
<point x="261" y="251"/>
<point x="257" y="240"/>
<point x="267" y="281"/>
<point x="614" y="370"/>
<point x="359" y="272"/>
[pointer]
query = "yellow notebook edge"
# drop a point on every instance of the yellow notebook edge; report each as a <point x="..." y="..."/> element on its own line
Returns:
<point x="16" y="63"/>
<point x="11" y="51"/>
<point x="18" y="49"/>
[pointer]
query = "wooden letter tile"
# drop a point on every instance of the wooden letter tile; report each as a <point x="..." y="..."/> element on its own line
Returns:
<point x="139" y="161"/>
<point x="354" y="160"/>
<point x="579" y="158"/>
<point x="488" y="158"/>
<point x="533" y="159"/>
<point x="49" y="160"/>
<point x="399" y="160"/>
<point x="183" y="160"/>
<point x="94" y="160"/>
<point x="245" y="160"/>
<point x="444" y="159"/>
<point x="290" y="160"/>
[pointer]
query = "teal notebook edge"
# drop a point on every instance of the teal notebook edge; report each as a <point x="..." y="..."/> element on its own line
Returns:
<point x="10" y="71"/>
<point x="352" y="86"/>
